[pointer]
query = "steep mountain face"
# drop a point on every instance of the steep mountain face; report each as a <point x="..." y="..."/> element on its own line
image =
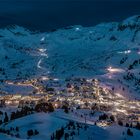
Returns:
<point x="108" y="50"/>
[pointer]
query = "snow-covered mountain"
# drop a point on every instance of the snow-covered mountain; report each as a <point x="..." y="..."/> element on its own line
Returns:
<point x="109" y="52"/>
<point x="106" y="50"/>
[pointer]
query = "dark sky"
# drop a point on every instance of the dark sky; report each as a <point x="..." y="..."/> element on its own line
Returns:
<point x="45" y="15"/>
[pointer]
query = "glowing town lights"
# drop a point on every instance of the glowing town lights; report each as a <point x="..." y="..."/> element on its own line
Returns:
<point x="122" y="111"/>
<point x="56" y="105"/>
<point x="44" y="78"/>
<point x="116" y="103"/>
<point x="89" y="80"/>
<point x="96" y="80"/>
<point x="102" y="124"/>
<point x="8" y="102"/>
<point x="132" y="107"/>
<point x="119" y="95"/>
<point x="16" y="97"/>
<point x="107" y="100"/>
<point x="109" y="69"/>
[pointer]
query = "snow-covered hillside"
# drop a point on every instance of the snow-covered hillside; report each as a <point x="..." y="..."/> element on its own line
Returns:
<point x="40" y="67"/>
<point x="47" y="124"/>
<point x="107" y="50"/>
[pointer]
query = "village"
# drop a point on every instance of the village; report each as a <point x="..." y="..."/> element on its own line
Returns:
<point x="75" y="94"/>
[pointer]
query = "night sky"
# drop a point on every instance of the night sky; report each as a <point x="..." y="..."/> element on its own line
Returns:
<point x="46" y="15"/>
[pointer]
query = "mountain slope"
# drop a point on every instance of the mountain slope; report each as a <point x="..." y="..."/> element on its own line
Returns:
<point x="107" y="50"/>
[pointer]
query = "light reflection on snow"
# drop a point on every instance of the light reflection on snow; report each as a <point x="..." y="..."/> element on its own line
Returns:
<point x="125" y="52"/>
<point x="138" y="52"/>
<point x="42" y="50"/>
<point x="115" y="70"/>
<point x="39" y="64"/>
<point x="77" y="29"/>
<point x="42" y="54"/>
<point x="42" y="39"/>
<point x="45" y="78"/>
